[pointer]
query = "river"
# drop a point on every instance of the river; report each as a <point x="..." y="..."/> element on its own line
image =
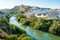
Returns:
<point x="36" y="34"/>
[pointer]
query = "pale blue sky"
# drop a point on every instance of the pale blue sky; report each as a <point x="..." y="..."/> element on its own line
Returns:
<point x="39" y="3"/>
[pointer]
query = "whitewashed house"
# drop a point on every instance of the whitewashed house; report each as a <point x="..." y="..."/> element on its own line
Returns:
<point x="43" y="12"/>
<point x="50" y="14"/>
<point x="53" y="14"/>
<point x="44" y="15"/>
<point x="28" y="14"/>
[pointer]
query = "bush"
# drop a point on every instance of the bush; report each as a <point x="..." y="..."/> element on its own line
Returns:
<point x="42" y="24"/>
<point x="32" y="24"/>
<point x="25" y="21"/>
<point x="11" y="37"/>
<point x="37" y="25"/>
<point x="24" y="37"/>
<point x="16" y="30"/>
<point x="18" y="17"/>
<point x="55" y="28"/>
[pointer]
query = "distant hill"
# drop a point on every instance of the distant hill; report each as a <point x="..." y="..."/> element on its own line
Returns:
<point x="10" y="10"/>
<point x="16" y="8"/>
<point x="22" y="7"/>
<point x="5" y="10"/>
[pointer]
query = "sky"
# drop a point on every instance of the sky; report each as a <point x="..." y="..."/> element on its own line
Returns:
<point x="40" y="3"/>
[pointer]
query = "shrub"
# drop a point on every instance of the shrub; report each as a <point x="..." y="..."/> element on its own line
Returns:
<point x="25" y="21"/>
<point x="32" y="24"/>
<point x="55" y="27"/>
<point x="16" y="30"/>
<point x="24" y="37"/>
<point x="11" y="37"/>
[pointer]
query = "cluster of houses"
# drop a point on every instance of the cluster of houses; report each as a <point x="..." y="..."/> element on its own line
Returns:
<point x="50" y="14"/>
<point x="43" y="12"/>
<point x="38" y="12"/>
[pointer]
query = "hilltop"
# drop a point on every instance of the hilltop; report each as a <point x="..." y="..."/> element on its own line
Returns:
<point x="16" y="8"/>
<point x="34" y="11"/>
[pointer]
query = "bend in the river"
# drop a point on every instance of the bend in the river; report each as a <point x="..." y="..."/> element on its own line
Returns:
<point x="38" y="35"/>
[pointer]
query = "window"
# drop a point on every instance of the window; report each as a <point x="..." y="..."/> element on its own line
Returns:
<point x="39" y="14"/>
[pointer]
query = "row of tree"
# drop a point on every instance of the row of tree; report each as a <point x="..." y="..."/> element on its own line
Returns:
<point x="11" y="32"/>
<point x="44" y="24"/>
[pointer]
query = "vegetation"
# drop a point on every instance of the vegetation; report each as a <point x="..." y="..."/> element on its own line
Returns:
<point x="10" y="31"/>
<point x="15" y="37"/>
<point x="4" y="27"/>
<point x="11" y="37"/>
<point x="55" y="27"/>
<point x="16" y="31"/>
<point x="3" y="34"/>
<point x="44" y="24"/>
<point x="24" y="9"/>
<point x="24" y="37"/>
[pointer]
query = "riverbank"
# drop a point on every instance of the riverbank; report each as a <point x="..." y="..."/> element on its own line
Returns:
<point x="45" y="24"/>
<point x="38" y="35"/>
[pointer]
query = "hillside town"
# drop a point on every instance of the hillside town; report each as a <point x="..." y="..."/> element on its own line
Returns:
<point x="42" y="12"/>
<point x="34" y="11"/>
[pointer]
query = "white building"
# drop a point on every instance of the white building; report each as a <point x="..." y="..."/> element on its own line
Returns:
<point x="44" y="15"/>
<point x="48" y="15"/>
<point x="43" y="12"/>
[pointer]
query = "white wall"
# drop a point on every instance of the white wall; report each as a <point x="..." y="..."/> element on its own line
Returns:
<point x="40" y="15"/>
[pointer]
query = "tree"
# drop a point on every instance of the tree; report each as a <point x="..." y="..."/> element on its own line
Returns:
<point x="24" y="37"/>
<point x="55" y="27"/>
<point x="25" y="21"/>
<point x="11" y="37"/>
<point x="16" y="30"/>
